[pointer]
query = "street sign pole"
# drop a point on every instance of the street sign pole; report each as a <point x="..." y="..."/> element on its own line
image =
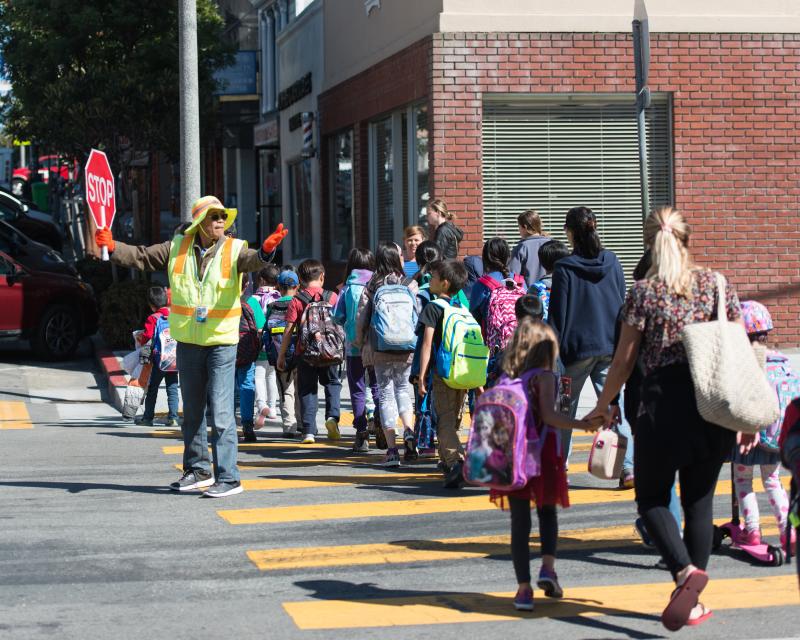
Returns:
<point x="189" y="107"/>
<point x="641" y="61"/>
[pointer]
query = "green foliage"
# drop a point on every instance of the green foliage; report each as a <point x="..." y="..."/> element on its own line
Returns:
<point x="123" y="310"/>
<point x="92" y="73"/>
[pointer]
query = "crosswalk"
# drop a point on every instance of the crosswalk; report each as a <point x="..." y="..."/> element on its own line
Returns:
<point x="14" y="415"/>
<point x="310" y="488"/>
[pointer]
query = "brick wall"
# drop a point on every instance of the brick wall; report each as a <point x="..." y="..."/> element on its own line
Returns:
<point x="736" y="116"/>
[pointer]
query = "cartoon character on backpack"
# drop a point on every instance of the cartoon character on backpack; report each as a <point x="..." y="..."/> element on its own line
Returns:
<point x="321" y="337"/>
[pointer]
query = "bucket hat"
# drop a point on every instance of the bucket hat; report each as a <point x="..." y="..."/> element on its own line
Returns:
<point x="205" y="205"/>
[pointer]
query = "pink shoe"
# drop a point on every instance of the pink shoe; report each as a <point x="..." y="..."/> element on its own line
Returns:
<point x="262" y="416"/>
<point x="749" y="538"/>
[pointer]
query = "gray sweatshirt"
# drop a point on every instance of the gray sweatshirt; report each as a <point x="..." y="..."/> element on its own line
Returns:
<point x="525" y="259"/>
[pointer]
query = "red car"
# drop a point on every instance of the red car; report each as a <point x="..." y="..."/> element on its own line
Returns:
<point x="21" y="176"/>
<point x="53" y="311"/>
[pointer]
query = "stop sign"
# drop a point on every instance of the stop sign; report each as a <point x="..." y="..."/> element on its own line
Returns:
<point x="100" y="189"/>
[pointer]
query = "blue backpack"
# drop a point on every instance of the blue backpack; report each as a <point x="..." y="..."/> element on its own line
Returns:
<point x="394" y="318"/>
<point x="165" y="348"/>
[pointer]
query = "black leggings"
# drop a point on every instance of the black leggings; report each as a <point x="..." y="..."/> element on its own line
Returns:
<point x="521" y="534"/>
<point x="671" y="437"/>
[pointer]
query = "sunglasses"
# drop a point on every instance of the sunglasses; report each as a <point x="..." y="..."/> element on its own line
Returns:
<point x="218" y="216"/>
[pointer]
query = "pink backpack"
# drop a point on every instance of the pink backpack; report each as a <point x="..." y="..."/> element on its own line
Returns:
<point x="504" y="450"/>
<point x="500" y="319"/>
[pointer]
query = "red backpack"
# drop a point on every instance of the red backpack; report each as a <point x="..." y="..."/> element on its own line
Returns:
<point x="500" y="321"/>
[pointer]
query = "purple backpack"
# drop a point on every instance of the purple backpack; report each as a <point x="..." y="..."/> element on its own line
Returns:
<point x="504" y="449"/>
<point x="787" y="386"/>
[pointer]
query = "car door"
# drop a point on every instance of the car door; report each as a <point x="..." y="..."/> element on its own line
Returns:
<point x="11" y="296"/>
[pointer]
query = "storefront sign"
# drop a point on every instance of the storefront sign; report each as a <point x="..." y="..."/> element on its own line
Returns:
<point x="266" y="134"/>
<point x="239" y="78"/>
<point x="295" y="92"/>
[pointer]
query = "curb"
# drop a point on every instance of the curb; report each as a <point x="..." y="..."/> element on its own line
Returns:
<point x="112" y="371"/>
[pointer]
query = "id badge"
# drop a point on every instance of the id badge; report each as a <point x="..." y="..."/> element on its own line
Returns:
<point x="201" y="314"/>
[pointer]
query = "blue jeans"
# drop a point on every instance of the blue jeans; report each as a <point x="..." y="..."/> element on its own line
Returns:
<point x="156" y="376"/>
<point x="308" y="379"/>
<point x="246" y="386"/>
<point x="207" y="376"/>
<point x="596" y="370"/>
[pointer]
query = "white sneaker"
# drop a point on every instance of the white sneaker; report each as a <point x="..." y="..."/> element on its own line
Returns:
<point x="332" y="425"/>
<point x="308" y="439"/>
<point x="271" y="413"/>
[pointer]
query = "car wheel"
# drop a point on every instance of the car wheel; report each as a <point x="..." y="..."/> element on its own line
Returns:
<point x="58" y="333"/>
<point x="18" y="188"/>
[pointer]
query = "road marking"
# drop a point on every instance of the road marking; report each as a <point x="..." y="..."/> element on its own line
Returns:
<point x="408" y="551"/>
<point x="427" y="608"/>
<point x="14" y="415"/>
<point x="306" y="482"/>
<point x="398" y="508"/>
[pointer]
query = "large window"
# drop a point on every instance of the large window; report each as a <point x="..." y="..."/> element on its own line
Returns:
<point x="341" y="194"/>
<point x="399" y="168"/>
<point x="555" y="153"/>
<point x="300" y="208"/>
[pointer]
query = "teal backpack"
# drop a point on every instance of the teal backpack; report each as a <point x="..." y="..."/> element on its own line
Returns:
<point x="462" y="358"/>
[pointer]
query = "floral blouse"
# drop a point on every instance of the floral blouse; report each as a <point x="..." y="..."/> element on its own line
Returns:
<point x="660" y="315"/>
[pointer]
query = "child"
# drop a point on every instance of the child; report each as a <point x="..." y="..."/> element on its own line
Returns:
<point x="448" y="277"/>
<point x="525" y="257"/>
<point x="360" y="265"/>
<point x="288" y="283"/>
<point x="392" y="368"/>
<point x="758" y="323"/>
<point x="157" y="299"/>
<point x="312" y="280"/>
<point x="534" y="346"/>
<point x="549" y="253"/>
<point x="251" y="322"/>
<point x="266" y="382"/>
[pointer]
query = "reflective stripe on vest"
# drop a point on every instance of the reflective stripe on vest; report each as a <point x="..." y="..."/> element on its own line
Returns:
<point x="218" y="291"/>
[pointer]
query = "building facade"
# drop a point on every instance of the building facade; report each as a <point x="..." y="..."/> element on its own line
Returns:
<point x="501" y="106"/>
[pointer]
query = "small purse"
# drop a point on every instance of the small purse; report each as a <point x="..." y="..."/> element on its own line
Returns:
<point x="607" y="454"/>
<point x="731" y="388"/>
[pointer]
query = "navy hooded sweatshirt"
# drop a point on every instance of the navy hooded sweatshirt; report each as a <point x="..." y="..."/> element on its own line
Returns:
<point x="585" y="299"/>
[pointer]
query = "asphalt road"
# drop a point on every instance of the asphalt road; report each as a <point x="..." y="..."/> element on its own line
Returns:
<point x="320" y="545"/>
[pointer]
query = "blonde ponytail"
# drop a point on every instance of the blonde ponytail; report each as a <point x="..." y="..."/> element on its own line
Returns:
<point x="440" y="206"/>
<point x="667" y="235"/>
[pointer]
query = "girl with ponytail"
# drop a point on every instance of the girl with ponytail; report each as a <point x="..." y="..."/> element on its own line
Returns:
<point x="671" y="436"/>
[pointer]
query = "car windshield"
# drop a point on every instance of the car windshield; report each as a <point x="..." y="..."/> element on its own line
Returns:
<point x="8" y="212"/>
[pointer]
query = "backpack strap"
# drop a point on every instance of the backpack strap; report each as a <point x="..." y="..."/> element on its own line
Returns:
<point x="489" y="282"/>
<point x="326" y="296"/>
<point x="303" y="297"/>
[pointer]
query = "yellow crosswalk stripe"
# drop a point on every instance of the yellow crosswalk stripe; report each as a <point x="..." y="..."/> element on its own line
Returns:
<point x="450" y="608"/>
<point x="408" y="551"/>
<point x="310" y="482"/>
<point x="399" y="508"/>
<point x="14" y="415"/>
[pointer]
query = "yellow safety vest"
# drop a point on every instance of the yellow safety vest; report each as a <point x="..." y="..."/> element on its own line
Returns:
<point x="215" y="297"/>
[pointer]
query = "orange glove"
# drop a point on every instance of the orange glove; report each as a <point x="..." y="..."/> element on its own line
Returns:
<point x="103" y="238"/>
<point x="273" y="240"/>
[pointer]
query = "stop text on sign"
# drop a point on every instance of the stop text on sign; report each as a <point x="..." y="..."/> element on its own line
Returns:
<point x="100" y="189"/>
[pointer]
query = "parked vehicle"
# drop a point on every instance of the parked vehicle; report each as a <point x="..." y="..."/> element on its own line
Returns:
<point x="53" y="311"/>
<point x="48" y="164"/>
<point x="37" y="225"/>
<point x="31" y="254"/>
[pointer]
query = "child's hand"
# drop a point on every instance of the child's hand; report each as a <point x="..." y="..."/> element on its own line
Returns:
<point x="593" y="423"/>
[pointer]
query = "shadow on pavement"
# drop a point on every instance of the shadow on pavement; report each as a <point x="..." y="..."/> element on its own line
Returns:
<point x="571" y="611"/>
<point x="80" y="487"/>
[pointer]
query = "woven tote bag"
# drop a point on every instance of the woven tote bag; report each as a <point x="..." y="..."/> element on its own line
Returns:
<point x="731" y="387"/>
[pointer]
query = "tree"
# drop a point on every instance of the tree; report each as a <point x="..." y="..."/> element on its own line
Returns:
<point x="103" y="73"/>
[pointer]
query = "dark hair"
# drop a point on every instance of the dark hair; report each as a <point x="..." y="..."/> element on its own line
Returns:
<point x="269" y="274"/>
<point x="288" y="267"/>
<point x="157" y="297"/>
<point x="551" y="252"/>
<point x="426" y="254"/>
<point x="583" y="224"/>
<point x="496" y="254"/>
<point x="310" y="270"/>
<point x="388" y="261"/>
<point x="643" y="266"/>
<point x="529" y="306"/>
<point x="453" y="271"/>
<point x="359" y="259"/>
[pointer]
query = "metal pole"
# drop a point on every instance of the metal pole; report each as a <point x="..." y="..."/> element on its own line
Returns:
<point x="190" y="110"/>
<point x="642" y="102"/>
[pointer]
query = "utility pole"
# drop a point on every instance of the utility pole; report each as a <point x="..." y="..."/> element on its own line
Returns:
<point x="641" y="62"/>
<point x="190" y="108"/>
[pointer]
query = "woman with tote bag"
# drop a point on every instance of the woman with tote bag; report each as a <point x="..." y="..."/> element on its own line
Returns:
<point x="671" y="435"/>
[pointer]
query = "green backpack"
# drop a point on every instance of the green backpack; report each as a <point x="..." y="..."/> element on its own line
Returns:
<point x="462" y="357"/>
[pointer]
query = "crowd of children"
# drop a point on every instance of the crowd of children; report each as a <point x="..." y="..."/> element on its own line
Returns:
<point x="418" y="331"/>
